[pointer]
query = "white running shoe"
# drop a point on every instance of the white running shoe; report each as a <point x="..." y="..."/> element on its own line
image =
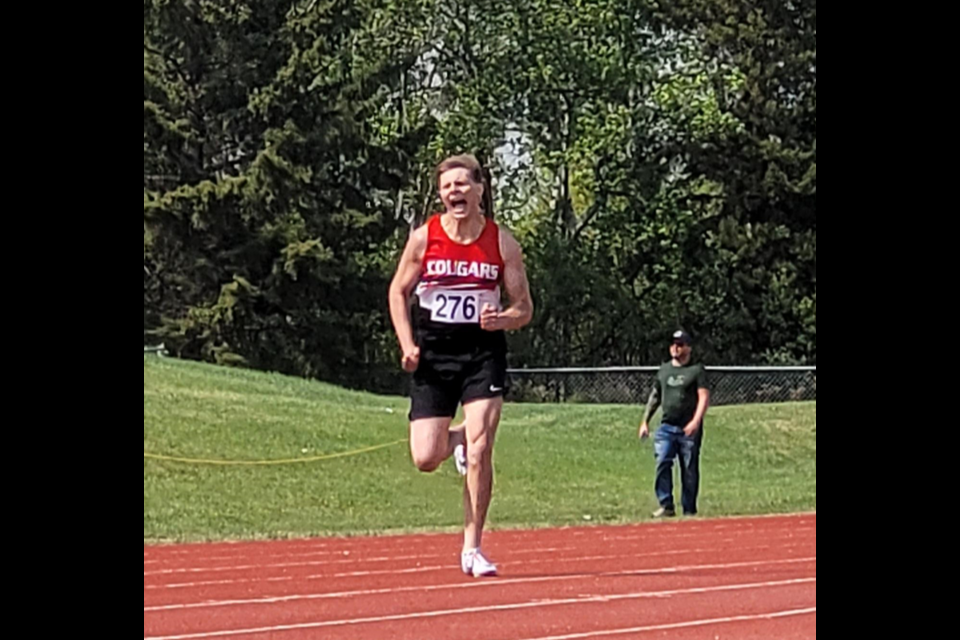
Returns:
<point x="474" y="563"/>
<point x="460" y="459"/>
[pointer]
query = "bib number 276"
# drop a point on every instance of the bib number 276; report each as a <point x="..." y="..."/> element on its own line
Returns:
<point x="458" y="308"/>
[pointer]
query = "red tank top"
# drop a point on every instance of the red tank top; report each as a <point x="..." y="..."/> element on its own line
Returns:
<point x="456" y="280"/>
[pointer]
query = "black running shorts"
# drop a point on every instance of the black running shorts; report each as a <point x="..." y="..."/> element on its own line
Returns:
<point x="452" y="373"/>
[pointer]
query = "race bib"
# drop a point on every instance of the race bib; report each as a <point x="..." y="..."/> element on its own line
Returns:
<point x="457" y="306"/>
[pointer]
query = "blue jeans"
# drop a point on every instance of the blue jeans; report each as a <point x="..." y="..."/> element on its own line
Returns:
<point x="670" y="442"/>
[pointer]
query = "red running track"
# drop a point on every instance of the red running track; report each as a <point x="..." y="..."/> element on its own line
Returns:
<point x="742" y="578"/>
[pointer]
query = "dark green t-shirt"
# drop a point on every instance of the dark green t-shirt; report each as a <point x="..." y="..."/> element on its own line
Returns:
<point x="679" y="388"/>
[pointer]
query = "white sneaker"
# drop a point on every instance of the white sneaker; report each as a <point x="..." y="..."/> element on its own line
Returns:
<point x="460" y="459"/>
<point x="474" y="563"/>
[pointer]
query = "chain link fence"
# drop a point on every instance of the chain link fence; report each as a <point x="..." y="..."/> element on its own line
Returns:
<point x="631" y="385"/>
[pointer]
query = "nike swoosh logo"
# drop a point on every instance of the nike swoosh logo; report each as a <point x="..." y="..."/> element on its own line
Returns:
<point x="494" y="389"/>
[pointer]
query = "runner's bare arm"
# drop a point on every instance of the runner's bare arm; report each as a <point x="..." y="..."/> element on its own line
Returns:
<point x="520" y="311"/>
<point x="405" y="279"/>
